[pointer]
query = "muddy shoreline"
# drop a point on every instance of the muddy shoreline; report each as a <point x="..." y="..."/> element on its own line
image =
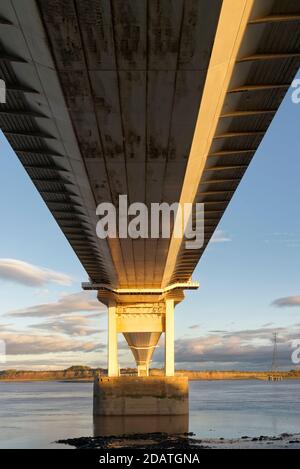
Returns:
<point x="162" y="441"/>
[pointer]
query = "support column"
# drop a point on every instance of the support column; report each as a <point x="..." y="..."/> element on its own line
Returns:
<point x="169" y="338"/>
<point x="113" y="368"/>
<point x="143" y="370"/>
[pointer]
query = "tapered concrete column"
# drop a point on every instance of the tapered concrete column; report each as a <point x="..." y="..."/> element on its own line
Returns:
<point x="113" y="368"/>
<point x="169" y="338"/>
<point x="143" y="370"/>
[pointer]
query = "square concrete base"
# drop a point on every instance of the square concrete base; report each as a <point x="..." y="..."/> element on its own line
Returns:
<point x="130" y="395"/>
<point x="108" y="425"/>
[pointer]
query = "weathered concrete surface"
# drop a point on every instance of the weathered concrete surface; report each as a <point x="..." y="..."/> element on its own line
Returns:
<point x="129" y="395"/>
<point x="107" y="425"/>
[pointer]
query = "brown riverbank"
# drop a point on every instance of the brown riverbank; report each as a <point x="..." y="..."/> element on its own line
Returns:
<point x="221" y="375"/>
<point x="73" y="374"/>
<point x="162" y="441"/>
<point x="84" y="373"/>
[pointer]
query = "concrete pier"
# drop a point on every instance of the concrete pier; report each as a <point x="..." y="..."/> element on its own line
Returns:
<point x="107" y="425"/>
<point x="130" y="395"/>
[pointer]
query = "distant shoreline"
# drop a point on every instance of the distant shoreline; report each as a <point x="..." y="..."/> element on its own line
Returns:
<point x="86" y="374"/>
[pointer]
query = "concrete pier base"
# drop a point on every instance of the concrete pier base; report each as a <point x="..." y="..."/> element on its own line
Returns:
<point x="130" y="395"/>
<point x="118" y="425"/>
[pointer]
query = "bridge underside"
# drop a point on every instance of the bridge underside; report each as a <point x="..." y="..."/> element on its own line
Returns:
<point x="165" y="101"/>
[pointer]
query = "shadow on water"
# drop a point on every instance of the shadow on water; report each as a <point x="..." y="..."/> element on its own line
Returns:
<point x="140" y="424"/>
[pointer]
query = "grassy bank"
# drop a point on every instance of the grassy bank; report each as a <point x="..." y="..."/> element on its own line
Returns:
<point x="85" y="373"/>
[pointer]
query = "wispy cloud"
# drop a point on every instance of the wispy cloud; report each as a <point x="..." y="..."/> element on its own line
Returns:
<point x="67" y="304"/>
<point x="68" y="325"/>
<point x="18" y="343"/>
<point x="287" y="301"/>
<point x="241" y="349"/>
<point x="220" y="236"/>
<point x="14" y="270"/>
<point x="56" y="361"/>
<point x="285" y="239"/>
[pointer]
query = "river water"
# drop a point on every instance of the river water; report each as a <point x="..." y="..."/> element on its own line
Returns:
<point x="36" y="414"/>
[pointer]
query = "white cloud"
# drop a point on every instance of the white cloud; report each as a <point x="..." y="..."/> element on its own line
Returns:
<point x="17" y="271"/>
<point x="67" y="304"/>
<point x="241" y="349"/>
<point x="55" y="361"/>
<point x="69" y="325"/>
<point x="26" y="343"/>
<point x="286" y="239"/>
<point x="219" y="236"/>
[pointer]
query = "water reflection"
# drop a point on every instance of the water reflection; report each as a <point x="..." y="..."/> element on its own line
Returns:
<point x="35" y="414"/>
<point x="133" y="424"/>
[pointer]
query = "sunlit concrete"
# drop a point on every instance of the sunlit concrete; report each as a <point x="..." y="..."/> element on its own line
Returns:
<point x="142" y="325"/>
<point x="129" y="395"/>
<point x="141" y="316"/>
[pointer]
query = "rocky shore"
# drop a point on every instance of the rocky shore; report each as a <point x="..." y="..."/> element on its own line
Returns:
<point x="188" y="441"/>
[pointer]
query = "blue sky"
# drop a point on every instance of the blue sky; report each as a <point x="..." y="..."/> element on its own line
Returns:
<point x="253" y="262"/>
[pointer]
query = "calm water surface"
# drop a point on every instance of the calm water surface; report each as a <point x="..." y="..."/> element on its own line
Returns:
<point x="35" y="414"/>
